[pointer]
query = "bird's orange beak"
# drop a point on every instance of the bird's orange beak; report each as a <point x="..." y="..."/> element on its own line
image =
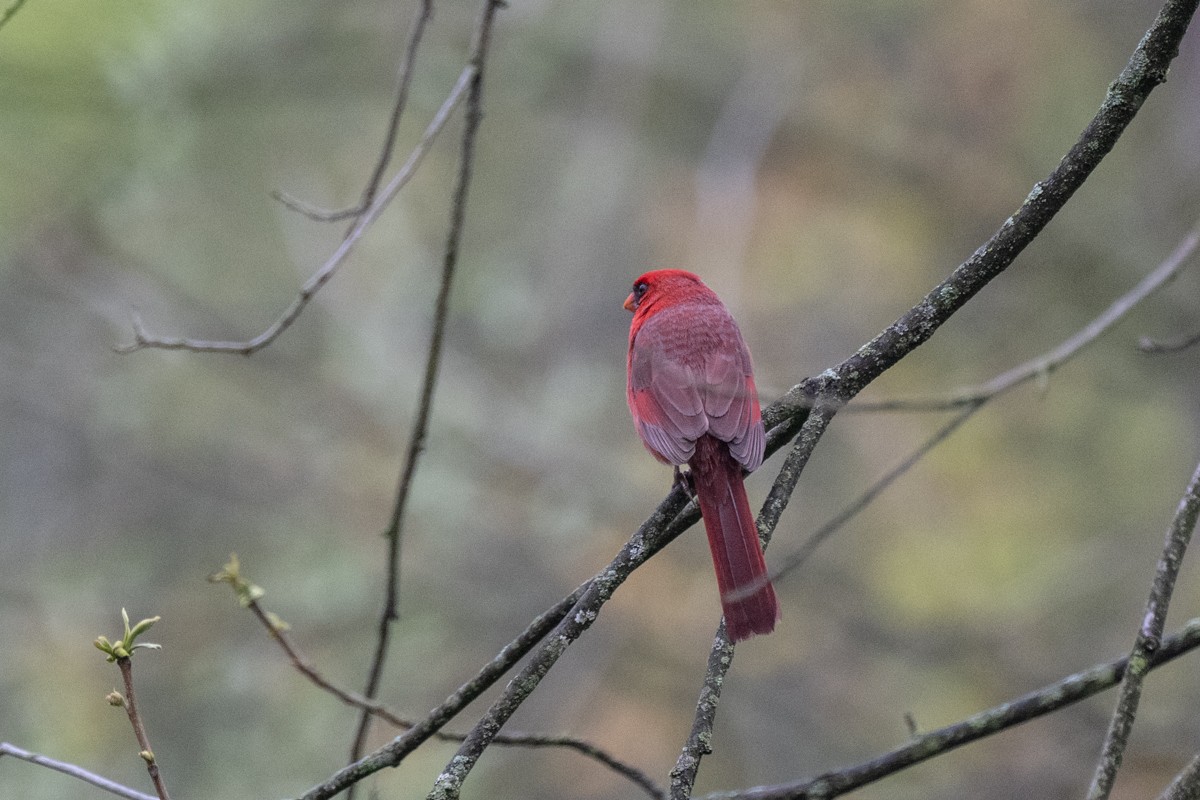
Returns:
<point x="629" y="304"/>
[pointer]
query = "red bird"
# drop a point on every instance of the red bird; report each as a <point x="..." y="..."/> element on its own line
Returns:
<point x="691" y="391"/>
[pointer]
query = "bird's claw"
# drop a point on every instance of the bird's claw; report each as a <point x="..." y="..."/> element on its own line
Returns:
<point x="684" y="480"/>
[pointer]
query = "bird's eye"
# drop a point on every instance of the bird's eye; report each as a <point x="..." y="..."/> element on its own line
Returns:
<point x="639" y="289"/>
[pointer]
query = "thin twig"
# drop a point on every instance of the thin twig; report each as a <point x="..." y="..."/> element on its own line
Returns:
<point x="10" y="12"/>
<point x="394" y="752"/>
<point x="403" y="82"/>
<point x="376" y="709"/>
<point x="1044" y="365"/>
<point x="720" y="657"/>
<point x="125" y="663"/>
<point x="416" y="443"/>
<point x="1148" y="345"/>
<point x="968" y="402"/>
<point x="74" y="771"/>
<point x="1029" y="706"/>
<point x="143" y="339"/>
<point x="1147" y="640"/>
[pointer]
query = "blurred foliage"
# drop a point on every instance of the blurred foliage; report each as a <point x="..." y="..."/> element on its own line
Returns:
<point x="822" y="164"/>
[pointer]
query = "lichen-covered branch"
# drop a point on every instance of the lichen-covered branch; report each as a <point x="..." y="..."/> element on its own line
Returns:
<point x="1030" y="706"/>
<point x="1147" y="641"/>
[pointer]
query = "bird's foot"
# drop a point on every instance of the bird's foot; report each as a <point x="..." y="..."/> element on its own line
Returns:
<point x="684" y="479"/>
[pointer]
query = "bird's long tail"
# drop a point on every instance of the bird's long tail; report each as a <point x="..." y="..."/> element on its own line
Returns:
<point x="747" y="597"/>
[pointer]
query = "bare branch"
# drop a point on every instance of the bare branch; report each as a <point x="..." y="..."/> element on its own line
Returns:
<point x="393" y="753"/>
<point x="1148" y="345"/>
<point x="143" y="339"/>
<point x="1146" y="69"/>
<point x="720" y="657"/>
<point x="1043" y="366"/>
<point x="968" y="402"/>
<point x="74" y="771"/>
<point x="416" y="444"/>
<point x="125" y="663"/>
<point x="1186" y="785"/>
<point x="403" y="82"/>
<point x="1148" y="639"/>
<point x="836" y="386"/>
<point x="1029" y="706"/>
<point x="10" y="12"/>
<point x="839" y="385"/>
<point x="278" y="632"/>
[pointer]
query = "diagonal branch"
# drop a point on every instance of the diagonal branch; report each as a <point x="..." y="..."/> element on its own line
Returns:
<point x="100" y="782"/>
<point x="720" y="657"/>
<point x="143" y="339"/>
<point x="391" y="754"/>
<point x="967" y="402"/>
<point x="672" y="517"/>
<point x="1186" y="785"/>
<point x="1147" y="641"/>
<point x="1148" y="345"/>
<point x="10" y="12"/>
<point x="403" y="82"/>
<point x="836" y="386"/>
<point x="1029" y="706"/>
<point x="1044" y="365"/>
<point x="1146" y="68"/>
<point x="277" y="630"/>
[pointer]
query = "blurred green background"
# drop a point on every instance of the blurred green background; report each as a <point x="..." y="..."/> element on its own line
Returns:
<point x="822" y="164"/>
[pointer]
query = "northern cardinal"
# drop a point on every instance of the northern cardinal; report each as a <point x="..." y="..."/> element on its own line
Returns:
<point x="691" y="391"/>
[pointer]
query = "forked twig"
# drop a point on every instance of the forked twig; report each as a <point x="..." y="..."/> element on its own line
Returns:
<point x="403" y="82"/>
<point x="249" y="596"/>
<point x="1147" y="641"/>
<point x="143" y="339"/>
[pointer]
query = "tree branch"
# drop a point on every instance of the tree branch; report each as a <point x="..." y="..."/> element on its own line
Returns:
<point x="403" y="82"/>
<point x="393" y="753"/>
<point x="125" y="664"/>
<point x="1146" y="68"/>
<point x="143" y="339"/>
<point x="74" y="771"/>
<point x="968" y="401"/>
<point x="1186" y="785"/>
<point x="10" y="12"/>
<point x="1148" y="345"/>
<point x="277" y="630"/>
<point x="1043" y="366"/>
<point x="1029" y="706"/>
<point x="836" y="386"/>
<point x="720" y="657"/>
<point x="416" y="444"/>
<point x="1147" y="640"/>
